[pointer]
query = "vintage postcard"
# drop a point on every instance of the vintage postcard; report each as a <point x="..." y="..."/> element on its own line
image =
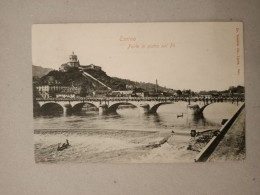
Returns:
<point x="138" y="92"/>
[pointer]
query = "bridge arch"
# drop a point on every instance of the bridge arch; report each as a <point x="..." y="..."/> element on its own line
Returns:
<point x="114" y="107"/>
<point x="214" y="102"/>
<point x="203" y="108"/>
<point x="51" y="107"/>
<point x="156" y="106"/>
<point x="77" y="107"/>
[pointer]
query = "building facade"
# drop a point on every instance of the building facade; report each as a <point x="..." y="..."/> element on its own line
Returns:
<point x="52" y="91"/>
<point x="91" y="66"/>
<point x="47" y="91"/>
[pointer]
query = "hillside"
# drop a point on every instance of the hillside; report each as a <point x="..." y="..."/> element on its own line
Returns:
<point x="75" y="77"/>
<point x="143" y="85"/>
<point x="38" y="71"/>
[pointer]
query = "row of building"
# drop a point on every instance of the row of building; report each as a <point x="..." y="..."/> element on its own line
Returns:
<point x="57" y="91"/>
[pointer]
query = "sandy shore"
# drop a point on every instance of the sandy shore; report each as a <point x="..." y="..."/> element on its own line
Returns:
<point x="112" y="146"/>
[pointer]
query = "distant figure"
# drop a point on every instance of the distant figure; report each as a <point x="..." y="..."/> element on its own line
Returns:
<point x="193" y="133"/>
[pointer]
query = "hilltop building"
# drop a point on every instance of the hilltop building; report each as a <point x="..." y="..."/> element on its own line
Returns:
<point x="74" y="63"/>
<point x="73" y="60"/>
<point x="91" y="66"/>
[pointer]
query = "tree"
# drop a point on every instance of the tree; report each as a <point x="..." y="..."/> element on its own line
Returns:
<point x="179" y="92"/>
<point x="238" y="89"/>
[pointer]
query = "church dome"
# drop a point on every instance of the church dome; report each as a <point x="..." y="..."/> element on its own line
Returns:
<point x="73" y="57"/>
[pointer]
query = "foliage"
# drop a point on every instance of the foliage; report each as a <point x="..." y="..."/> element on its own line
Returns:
<point x="179" y="92"/>
<point x="238" y="89"/>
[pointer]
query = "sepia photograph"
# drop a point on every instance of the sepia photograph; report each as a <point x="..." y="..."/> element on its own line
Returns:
<point x="138" y="92"/>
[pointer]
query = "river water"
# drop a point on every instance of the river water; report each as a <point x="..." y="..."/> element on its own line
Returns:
<point x="123" y="137"/>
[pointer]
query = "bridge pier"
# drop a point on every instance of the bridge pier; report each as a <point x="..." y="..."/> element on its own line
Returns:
<point x="66" y="109"/>
<point x="102" y="109"/>
<point x="193" y="109"/>
<point x="144" y="108"/>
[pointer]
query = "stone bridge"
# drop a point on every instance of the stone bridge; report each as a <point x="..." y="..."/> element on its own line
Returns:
<point x="105" y="106"/>
<point x="197" y="107"/>
<point x="145" y="105"/>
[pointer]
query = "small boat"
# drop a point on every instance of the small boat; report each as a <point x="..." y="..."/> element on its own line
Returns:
<point x="179" y="115"/>
<point x="64" y="146"/>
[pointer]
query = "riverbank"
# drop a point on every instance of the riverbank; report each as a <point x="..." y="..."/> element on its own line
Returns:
<point x="112" y="146"/>
<point x="232" y="146"/>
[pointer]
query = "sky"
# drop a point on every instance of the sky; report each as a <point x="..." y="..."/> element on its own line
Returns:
<point x="196" y="56"/>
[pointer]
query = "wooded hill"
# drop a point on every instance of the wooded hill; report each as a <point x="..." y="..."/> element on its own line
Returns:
<point x="74" y="77"/>
<point x="38" y="71"/>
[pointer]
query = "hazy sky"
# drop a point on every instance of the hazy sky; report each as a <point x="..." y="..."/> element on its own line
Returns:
<point x="197" y="56"/>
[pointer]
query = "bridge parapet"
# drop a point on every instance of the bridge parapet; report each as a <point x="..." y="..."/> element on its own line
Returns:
<point x="159" y="99"/>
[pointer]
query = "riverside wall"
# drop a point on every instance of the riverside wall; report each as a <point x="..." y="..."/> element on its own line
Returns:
<point x="212" y="144"/>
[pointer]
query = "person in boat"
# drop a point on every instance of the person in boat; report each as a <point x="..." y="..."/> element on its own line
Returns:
<point x="64" y="145"/>
<point x="59" y="147"/>
<point x="67" y="142"/>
